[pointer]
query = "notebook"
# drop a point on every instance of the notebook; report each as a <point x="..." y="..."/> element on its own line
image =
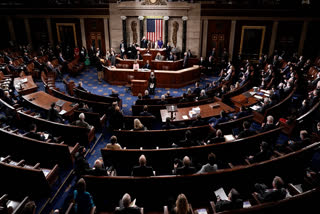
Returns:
<point x="60" y="103"/>
<point x="247" y="94"/>
<point x="201" y="211"/>
<point x="246" y="204"/>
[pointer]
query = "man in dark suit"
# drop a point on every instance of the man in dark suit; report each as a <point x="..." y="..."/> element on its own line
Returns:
<point x="168" y="124"/>
<point x="187" y="141"/>
<point x="276" y="193"/>
<point x="246" y="130"/>
<point x="144" y="43"/>
<point x="26" y="58"/>
<point x="269" y="125"/>
<point x="8" y="99"/>
<point x="37" y="64"/>
<point x="262" y="155"/>
<point x="146" y="95"/>
<point x="53" y="114"/>
<point x="145" y="111"/>
<point x="218" y="138"/>
<point x="7" y="59"/>
<point x="304" y="141"/>
<point x="162" y="100"/>
<point x="266" y="104"/>
<point x="213" y="52"/>
<point x="197" y="89"/>
<point x="142" y="169"/>
<point x="126" y="207"/>
<point x="234" y="202"/>
<point x="98" y="169"/>
<point x="185" y="60"/>
<point x="12" y="68"/>
<point x="171" y="57"/>
<point x="186" y="169"/>
<point x="147" y="65"/>
<point x="80" y="87"/>
<point x="34" y="134"/>
<point x="138" y="56"/>
<point x="198" y="122"/>
<point x="215" y="121"/>
<point x="168" y="49"/>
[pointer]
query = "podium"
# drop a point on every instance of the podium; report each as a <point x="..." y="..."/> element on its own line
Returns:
<point x="138" y="86"/>
<point x="172" y="109"/>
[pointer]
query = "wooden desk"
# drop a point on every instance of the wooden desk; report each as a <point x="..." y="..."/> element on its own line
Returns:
<point x="25" y="85"/>
<point x="43" y="101"/>
<point x="242" y="100"/>
<point x="153" y="52"/>
<point x="154" y="64"/>
<point x="165" y="79"/>
<point x="138" y="86"/>
<point x="206" y="111"/>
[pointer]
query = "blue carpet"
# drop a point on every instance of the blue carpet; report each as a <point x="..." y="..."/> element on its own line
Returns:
<point x="90" y="82"/>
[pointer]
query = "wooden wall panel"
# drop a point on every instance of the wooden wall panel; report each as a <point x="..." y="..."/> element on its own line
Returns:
<point x="95" y="27"/>
<point x="218" y="35"/>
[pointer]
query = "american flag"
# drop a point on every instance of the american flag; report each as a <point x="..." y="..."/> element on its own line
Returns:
<point x="154" y="29"/>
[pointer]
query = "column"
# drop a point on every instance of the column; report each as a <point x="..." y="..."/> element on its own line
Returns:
<point x="232" y="36"/>
<point x="124" y="30"/>
<point x="83" y="33"/>
<point x="184" y="34"/>
<point x="166" y="30"/>
<point x="11" y="29"/>
<point x="273" y="37"/>
<point x="204" y="37"/>
<point x="49" y="30"/>
<point x="141" y="20"/>
<point x="28" y="31"/>
<point x="106" y="33"/>
<point x="303" y="37"/>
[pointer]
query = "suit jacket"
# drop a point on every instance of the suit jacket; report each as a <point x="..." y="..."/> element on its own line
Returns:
<point x="261" y="156"/>
<point x="53" y="115"/>
<point x="128" y="210"/>
<point x="246" y="133"/>
<point x="223" y="205"/>
<point x="184" y="170"/>
<point x="217" y="140"/>
<point x="145" y="113"/>
<point x="147" y="66"/>
<point x="81" y="123"/>
<point x="168" y="126"/>
<point x="196" y="91"/>
<point x="142" y="171"/>
<point x="98" y="172"/>
<point x="144" y="43"/>
<point x="171" y="57"/>
<point x="267" y="195"/>
<point x="34" y="135"/>
<point x="268" y="127"/>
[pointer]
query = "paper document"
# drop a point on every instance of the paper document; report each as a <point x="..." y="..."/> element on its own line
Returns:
<point x="258" y="97"/>
<point x="229" y="137"/>
<point x="201" y="211"/>
<point x="62" y="112"/>
<point x="185" y="117"/>
<point x="246" y="204"/>
<point x="46" y="136"/>
<point x="133" y="203"/>
<point x="24" y="80"/>
<point x="221" y="194"/>
<point x="252" y="93"/>
<point x="255" y="107"/>
<point x="264" y="91"/>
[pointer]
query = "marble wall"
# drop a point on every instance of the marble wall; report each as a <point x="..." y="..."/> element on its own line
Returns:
<point x="175" y="10"/>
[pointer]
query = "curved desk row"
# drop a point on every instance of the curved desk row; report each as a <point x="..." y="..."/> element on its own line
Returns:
<point x="165" y="79"/>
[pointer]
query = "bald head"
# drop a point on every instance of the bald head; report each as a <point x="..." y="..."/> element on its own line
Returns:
<point x="186" y="161"/>
<point x="81" y="116"/>
<point x="126" y="200"/>
<point x="142" y="160"/>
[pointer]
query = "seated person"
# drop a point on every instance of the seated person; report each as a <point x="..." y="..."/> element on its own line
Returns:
<point x="269" y="125"/>
<point x="158" y="56"/>
<point x="316" y="129"/>
<point x="8" y="99"/>
<point x="80" y="87"/>
<point x="162" y="100"/>
<point x="187" y="141"/>
<point x="278" y="192"/>
<point x="142" y="169"/>
<point x="264" y="154"/>
<point x="167" y="95"/>
<point x="26" y="58"/>
<point x="147" y="65"/>
<point x="304" y="107"/>
<point x="53" y="114"/>
<point x="116" y="119"/>
<point x="184" y="98"/>
<point x="137" y="125"/>
<point x="198" y="122"/>
<point x="98" y="169"/>
<point x="211" y="166"/>
<point x="203" y="95"/>
<point x="126" y="206"/>
<point x="84" y="108"/>
<point x="146" y="95"/>
<point x="138" y="101"/>
<point x="168" y="124"/>
<point x="218" y="138"/>
<point x="81" y="163"/>
<point x="34" y="134"/>
<point x="114" y="94"/>
<point x="135" y="65"/>
<point x="171" y="57"/>
<point x="246" y="130"/>
<point x="197" y="90"/>
<point x="145" y="111"/>
<point x="303" y="142"/>
<point x="29" y="208"/>
<point x="81" y="122"/>
<point x="223" y="118"/>
<point x="234" y="202"/>
<point x="242" y="113"/>
<point x="139" y="56"/>
<point x="182" y="205"/>
<point x="186" y="169"/>
<point x="113" y="145"/>
<point x="83" y="202"/>
<point x="266" y="104"/>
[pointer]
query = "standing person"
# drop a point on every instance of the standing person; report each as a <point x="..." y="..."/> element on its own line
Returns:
<point x="152" y="83"/>
<point x="144" y="42"/>
<point x="160" y="43"/>
<point x="82" y="199"/>
<point x="99" y="67"/>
